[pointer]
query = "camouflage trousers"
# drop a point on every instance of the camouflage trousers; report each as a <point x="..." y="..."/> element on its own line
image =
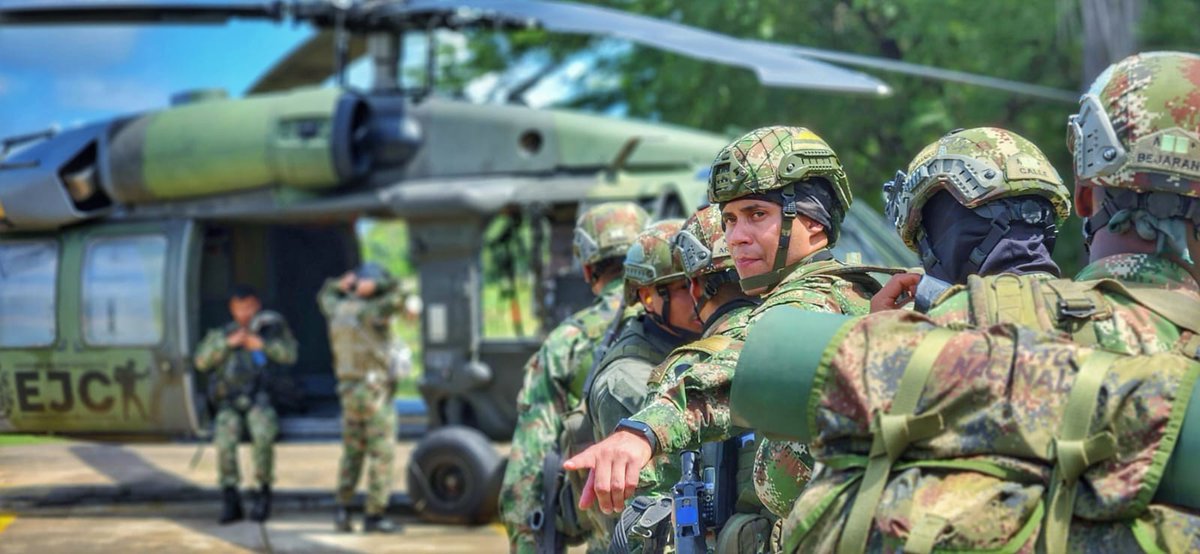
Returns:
<point x="263" y="427"/>
<point x="368" y="434"/>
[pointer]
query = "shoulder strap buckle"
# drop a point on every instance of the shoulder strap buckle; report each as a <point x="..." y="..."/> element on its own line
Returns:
<point x="1076" y="307"/>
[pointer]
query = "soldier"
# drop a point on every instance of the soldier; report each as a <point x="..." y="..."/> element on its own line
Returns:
<point x="1137" y="184"/>
<point x="724" y="309"/>
<point x="979" y="201"/>
<point x="554" y="379"/>
<point x="617" y="384"/>
<point x="245" y="353"/>
<point x="359" y="307"/>
<point x="783" y="195"/>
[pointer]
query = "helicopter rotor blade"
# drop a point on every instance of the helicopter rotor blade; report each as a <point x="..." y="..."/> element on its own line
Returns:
<point x="93" y="13"/>
<point x="773" y="67"/>
<point x="310" y="63"/>
<point x="929" y="72"/>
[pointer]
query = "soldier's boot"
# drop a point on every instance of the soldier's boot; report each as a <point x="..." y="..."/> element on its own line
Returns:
<point x="379" y="524"/>
<point x="232" y="510"/>
<point x="262" y="505"/>
<point x="341" y="519"/>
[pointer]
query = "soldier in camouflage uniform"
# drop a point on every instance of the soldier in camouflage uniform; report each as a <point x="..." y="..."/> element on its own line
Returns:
<point x="359" y="307"/>
<point x="724" y="309"/>
<point x="617" y="385"/>
<point x="1138" y="183"/>
<point x="979" y="201"/>
<point x="555" y="375"/>
<point x="244" y="354"/>
<point x="783" y="195"/>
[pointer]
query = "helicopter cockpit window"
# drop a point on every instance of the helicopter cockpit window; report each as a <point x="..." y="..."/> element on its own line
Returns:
<point x="123" y="280"/>
<point x="28" y="277"/>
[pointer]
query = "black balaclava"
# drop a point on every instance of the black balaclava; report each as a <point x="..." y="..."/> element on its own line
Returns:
<point x="954" y="231"/>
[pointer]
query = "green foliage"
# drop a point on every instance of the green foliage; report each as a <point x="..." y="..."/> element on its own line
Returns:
<point x="21" y="440"/>
<point x="386" y="242"/>
<point x="1035" y="42"/>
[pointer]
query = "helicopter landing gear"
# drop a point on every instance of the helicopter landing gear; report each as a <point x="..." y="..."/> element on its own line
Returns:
<point x="454" y="476"/>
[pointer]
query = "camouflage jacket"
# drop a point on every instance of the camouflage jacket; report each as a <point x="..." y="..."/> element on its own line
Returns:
<point x="240" y="372"/>
<point x="694" y="407"/>
<point x="670" y="384"/>
<point x="564" y="358"/>
<point x="358" y="330"/>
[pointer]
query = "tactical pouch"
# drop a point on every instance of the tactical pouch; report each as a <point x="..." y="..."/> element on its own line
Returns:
<point x="576" y="436"/>
<point x="744" y="533"/>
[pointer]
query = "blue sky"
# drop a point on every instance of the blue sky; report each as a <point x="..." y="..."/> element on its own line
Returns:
<point x="72" y="75"/>
<point x="68" y="76"/>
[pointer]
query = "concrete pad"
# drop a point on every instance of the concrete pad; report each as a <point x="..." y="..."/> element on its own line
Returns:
<point x="79" y="496"/>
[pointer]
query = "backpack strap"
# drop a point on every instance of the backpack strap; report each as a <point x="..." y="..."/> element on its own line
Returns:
<point x="1178" y="308"/>
<point x="1075" y="449"/>
<point x="892" y="433"/>
<point x="1191" y="346"/>
<point x="859" y="274"/>
<point x="708" y="346"/>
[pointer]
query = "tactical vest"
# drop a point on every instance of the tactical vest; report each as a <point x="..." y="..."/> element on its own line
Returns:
<point x="359" y="347"/>
<point x="1073" y="307"/>
<point x="242" y="379"/>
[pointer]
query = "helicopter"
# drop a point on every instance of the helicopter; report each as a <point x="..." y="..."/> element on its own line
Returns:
<point x="119" y="239"/>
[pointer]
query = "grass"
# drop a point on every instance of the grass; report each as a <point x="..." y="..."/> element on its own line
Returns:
<point x="20" y="440"/>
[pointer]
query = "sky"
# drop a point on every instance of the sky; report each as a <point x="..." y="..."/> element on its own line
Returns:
<point x="68" y="76"/>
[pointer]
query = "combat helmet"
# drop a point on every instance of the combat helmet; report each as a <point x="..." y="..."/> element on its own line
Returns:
<point x="996" y="173"/>
<point x="649" y="262"/>
<point x="701" y="251"/>
<point x="783" y="164"/>
<point x="607" y="231"/>
<point x="377" y="273"/>
<point x="1137" y="137"/>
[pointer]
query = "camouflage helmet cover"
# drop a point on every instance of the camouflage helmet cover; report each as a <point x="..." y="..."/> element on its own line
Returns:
<point x="769" y="158"/>
<point x="607" y="231"/>
<point x="1138" y="126"/>
<point x="976" y="166"/>
<point x="649" y="261"/>
<point x="700" y="246"/>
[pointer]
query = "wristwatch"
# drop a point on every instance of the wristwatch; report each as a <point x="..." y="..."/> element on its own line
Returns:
<point x="641" y="429"/>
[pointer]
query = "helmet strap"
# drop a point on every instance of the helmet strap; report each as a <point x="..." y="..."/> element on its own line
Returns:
<point x="1155" y="216"/>
<point x="712" y="285"/>
<point x="664" y="319"/>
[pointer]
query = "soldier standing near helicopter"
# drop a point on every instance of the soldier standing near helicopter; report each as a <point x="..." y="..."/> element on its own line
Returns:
<point x="359" y="307"/>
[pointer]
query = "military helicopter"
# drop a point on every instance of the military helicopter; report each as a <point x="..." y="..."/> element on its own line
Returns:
<point x="119" y="239"/>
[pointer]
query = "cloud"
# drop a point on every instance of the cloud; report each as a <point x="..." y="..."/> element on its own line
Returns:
<point x="110" y="94"/>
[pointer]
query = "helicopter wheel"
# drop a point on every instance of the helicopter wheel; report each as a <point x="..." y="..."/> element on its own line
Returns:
<point x="454" y="476"/>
